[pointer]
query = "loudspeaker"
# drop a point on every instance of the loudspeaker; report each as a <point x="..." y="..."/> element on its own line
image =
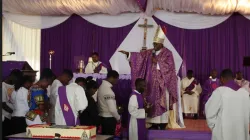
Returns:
<point x="246" y="61"/>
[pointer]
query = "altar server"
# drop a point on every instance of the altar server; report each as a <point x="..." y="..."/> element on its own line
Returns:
<point x="107" y="104"/>
<point x="96" y="66"/>
<point x="190" y="91"/>
<point x="71" y="100"/>
<point x="228" y="110"/>
<point x="61" y="80"/>
<point x="137" y="113"/>
<point x="7" y="105"/>
<point x="20" y="101"/>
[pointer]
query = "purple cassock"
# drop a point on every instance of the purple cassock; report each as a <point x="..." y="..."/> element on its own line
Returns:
<point x="66" y="108"/>
<point x="207" y="91"/>
<point x="141" y="123"/>
<point x="158" y="81"/>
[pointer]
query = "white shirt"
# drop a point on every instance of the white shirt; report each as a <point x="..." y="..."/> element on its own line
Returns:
<point x="92" y="65"/>
<point x="228" y="114"/>
<point x="156" y="53"/>
<point x="106" y="101"/>
<point x="20" y="102"/>
<point x="135" y="113"/>
<point x="53" y="97"/>
<point x="77" y="100"/>
<point x="6" y="97"/>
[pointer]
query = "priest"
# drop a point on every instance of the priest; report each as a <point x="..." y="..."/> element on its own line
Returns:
<point x="96" y="66"/>
<point x="210" y="85"/>
<point x="242" y="82"/>
<point x="190" y="91"/>
<point x="228" y="110"/>
<point x="157" y="67"/>
<point x="70" y="101"/>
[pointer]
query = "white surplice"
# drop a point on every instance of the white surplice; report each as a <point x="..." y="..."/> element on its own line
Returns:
<point x="228" y="114"/>
<point x="244" y="84"/>
<point x="135" y="113"/>
<point x="20" y="102"/>
<point x="53" y="96"/>
<point x="190" y="103"/>
<point x="77" y="101"/>
<point x="92" y="65"/>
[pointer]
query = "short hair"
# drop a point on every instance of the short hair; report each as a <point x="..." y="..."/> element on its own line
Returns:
<point x="227" y="73"/>
<point x="80" y="79"/>
<point x="22" y="81"/>
<point x="238" y="72"/>
<point x="91" y="84"/>
<point x="95" y="53"/>
<point x="68" y="72"/>
<point x="138" y="81"/>
<point x="47" y="74"/>
<point x="16" y="73"/>
<point x="112" y="73"/>
<point x="190" y="72"/>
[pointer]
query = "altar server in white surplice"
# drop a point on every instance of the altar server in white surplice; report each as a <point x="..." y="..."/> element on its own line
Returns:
<point x="61" y="80"/>
<point x="190" y="91"/>
<point x="137" y="113"/>
<point x="96" y="66"/>
<point x="71" y="100"/>
<point x="228" y="110"/>
<point x="242" y="82"/>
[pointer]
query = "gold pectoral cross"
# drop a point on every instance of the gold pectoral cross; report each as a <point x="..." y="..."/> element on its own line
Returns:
<point x="145" y="26"/>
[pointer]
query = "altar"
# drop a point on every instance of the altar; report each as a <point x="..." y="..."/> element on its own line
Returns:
<point x="122" y="90"/>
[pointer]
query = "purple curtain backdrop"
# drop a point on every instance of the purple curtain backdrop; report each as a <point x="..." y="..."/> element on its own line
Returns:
<point x="219" y="47"/>
<point x="77" y="37"/>
<point x="142" y="4"/>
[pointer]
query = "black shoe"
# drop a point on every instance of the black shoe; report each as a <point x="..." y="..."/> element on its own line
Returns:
<point x="196" y="116"/>
<point x="154" y="127"/>
<point x="163" y="126"/>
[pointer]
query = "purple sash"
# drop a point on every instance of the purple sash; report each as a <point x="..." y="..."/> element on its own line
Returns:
<point x="233" y="85"/>
<point x="141" y="123"/>
<point x="192" y="85"/>
<point x="66" y="108"/>
<point x="99" y="67"/>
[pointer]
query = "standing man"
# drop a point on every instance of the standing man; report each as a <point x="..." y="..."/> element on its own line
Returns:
<point x="190" y="91"/>
<point x="107" y="104"/>
<point x="157" y="67"/>
<point x="61" y="80"/>
<point x="210" y="85"/>
<point x="96" y="66"/>
<point x="242" y="82"/>
<point x="228" y="110"/>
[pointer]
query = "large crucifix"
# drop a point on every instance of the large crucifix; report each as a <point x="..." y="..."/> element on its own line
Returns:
<point x="145" y="26"/>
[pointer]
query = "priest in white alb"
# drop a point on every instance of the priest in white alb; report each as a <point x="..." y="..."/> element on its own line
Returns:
<point x="96" y="66"/>
<point x="228" y="110"/>
<point x="242" y="82"/>
<point x="70" y="102"/>
<point x="190" y="91"/>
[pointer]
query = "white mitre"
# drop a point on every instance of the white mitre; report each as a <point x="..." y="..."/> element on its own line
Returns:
<point x="159" y="35"/>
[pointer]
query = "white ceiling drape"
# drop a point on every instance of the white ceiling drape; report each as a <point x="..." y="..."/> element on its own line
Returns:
<point x="69" y="7"/>
<point x="115" y="7"/>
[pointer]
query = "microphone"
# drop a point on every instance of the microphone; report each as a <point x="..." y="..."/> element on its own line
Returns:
<point x="153" y="53"/>
<point x="9" y="54"/>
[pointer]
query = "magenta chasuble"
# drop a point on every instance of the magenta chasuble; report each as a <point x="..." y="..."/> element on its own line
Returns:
<point x="158" y="81"/>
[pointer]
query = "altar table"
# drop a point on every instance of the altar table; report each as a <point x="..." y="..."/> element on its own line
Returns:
<point x="122" y="90"/>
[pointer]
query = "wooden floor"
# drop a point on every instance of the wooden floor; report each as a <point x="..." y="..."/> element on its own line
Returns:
<point x="195" y="125"/>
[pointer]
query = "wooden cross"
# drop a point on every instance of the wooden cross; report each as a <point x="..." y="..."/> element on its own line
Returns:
<point x="145" y="26"/>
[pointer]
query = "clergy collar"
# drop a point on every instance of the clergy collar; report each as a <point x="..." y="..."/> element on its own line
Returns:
<point x="213" y="79"/>
<point x="107" y="83"/>
<point x="137" y="91"/>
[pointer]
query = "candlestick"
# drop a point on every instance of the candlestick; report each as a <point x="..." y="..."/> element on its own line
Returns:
<point x="51" y="52"/>
<point x="81" y="66"/>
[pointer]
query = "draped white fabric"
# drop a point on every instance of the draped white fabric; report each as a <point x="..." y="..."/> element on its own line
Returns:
<point x="69" y="7"/>
<point x="109" y="21"/>
<point x="212" y="7"/>
<point x="190" y="20"/>
<point x="36" y="22"/>
<point x="25" y="42"/>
